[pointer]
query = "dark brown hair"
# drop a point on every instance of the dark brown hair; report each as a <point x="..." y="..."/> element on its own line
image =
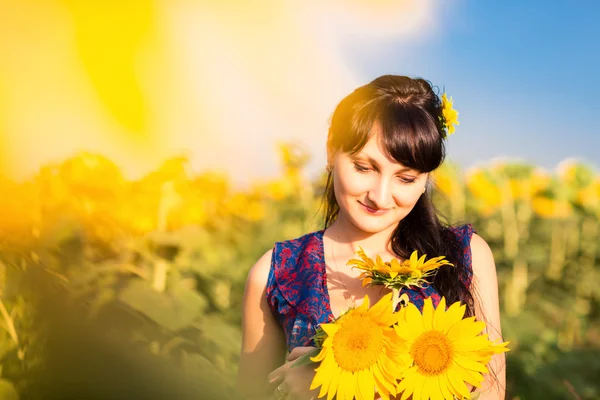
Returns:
<point x="409" y="113"/>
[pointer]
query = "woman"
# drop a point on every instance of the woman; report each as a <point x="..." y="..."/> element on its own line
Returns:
<point x="384" y="140"/>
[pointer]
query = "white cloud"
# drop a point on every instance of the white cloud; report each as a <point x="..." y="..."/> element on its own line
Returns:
<point x="236" y="78"/>
<point x="268" y="70"/>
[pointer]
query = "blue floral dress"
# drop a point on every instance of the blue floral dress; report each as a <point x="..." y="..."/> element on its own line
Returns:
<point x="297" y="292"/>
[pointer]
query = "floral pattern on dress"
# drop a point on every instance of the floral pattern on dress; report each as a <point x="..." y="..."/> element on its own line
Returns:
<point x="297" y="292"/>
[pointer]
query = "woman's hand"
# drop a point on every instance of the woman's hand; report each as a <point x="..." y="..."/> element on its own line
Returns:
<point x="294" y="383"/>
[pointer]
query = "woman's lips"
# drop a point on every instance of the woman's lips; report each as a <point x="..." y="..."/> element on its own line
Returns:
<point x="373" y="211"/>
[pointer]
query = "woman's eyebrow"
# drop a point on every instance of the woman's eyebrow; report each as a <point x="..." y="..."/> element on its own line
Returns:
<point x="374" y="162"/>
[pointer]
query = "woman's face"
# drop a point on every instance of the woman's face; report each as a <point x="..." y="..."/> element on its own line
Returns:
<point x="373" y="190"/>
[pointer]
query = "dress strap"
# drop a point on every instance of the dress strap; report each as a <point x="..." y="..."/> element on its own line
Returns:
<point x="463" y="235"/>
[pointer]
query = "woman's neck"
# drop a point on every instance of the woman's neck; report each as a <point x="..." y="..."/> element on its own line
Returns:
<point x="350" y="238"/>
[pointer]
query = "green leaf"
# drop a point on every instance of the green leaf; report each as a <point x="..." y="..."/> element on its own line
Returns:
<point x="7" y="345"/>
<point x="173" y="310"/>
<point x="8" y="391"/>
<point x="225" y="336"/>
<point x="305" y="358"/>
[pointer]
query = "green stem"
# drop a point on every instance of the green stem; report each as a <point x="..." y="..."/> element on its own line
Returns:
<point x="9" y="323"/>
<point x="395" y="298"/>
<point x="557" y="252"/>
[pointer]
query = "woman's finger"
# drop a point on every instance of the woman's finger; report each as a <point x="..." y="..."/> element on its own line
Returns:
<point x="299" y="351"/>
<point x="276" y="376"/>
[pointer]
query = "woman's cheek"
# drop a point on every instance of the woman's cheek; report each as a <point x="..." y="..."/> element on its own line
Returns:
<point x="355" y="185"/>
<point x="407" y="199"/>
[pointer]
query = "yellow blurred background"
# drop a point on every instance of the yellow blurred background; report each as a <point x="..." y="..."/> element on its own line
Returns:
<point x="151" y="151"/>
<point x="141" y="81"/>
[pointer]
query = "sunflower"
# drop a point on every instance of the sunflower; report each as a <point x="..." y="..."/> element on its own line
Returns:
<point x="450" y="115"/>
<point x="444" y="351"/>
<point x="361" y="354"/>
<point x="395" y="274"/>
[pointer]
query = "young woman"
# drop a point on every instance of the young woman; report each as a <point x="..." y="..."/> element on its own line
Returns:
<point x="384" y="140"/>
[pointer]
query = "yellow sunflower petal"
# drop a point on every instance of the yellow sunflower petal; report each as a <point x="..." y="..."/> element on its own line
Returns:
<point x="382" y="391"/>
<point x="365" y="304"/>
<point x="395" y="264"/>
<point x="413" y="258"/>
<point x="472" y="377"/>
<point x="366" y="263"/>
<point x="408" y="379"/>
<point x="324" y="383"/>
<point x="404" y="270"/>
<point x="477" y="343"/>
<point x="435" y="392"/>
<point x="320" y="356"/>
<point x="358" y="264"/>
<point x="333" y="386"/>
<point x="470" y="364"/>
<point x="366" y="384"/>
<point x="468" y="327"/>
<point x="457" y="384"/>
<point x="383" y="382"/>
<point x="348" y="385"/>
<point x="330" y="329"/>
<point x="421" y="261"/>
<point x="439" y="317"/>
<point x="381" y="307"/>
<point x="419" y="382"/>
<point x="455" y="313"/>
<point x="427" y="314"/>
<point x="325" y="376"/>
<point x="412" y="326"/>
<point x="426" y="389"/>
<point x="444" y="386"/>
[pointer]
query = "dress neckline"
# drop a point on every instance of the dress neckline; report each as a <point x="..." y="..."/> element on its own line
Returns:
<point x="324" y="287"/>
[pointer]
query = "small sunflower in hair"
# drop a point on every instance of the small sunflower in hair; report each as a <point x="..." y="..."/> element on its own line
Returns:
<point x="449" y="114"/>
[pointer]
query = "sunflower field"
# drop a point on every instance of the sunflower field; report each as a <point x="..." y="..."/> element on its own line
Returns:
<point x="119" y="288"/>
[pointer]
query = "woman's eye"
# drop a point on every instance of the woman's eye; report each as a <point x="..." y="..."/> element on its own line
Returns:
<point x="360" y="168"/>
<point x="407" y="180"/>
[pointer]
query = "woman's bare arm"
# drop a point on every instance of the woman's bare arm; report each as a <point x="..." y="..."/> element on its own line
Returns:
<point x="263" y="342"/>
<point x="487" y="308"/>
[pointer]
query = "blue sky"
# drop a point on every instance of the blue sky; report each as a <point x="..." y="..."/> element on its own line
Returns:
<point x="243" y="76"/>
<point x="524" y="76"/>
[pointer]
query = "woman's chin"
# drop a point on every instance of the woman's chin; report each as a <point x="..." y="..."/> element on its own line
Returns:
<point x="373" y="224"/>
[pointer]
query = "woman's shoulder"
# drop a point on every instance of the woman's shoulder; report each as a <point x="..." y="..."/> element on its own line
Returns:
<point x="482" y="257"/>
<point x="475" y="252"/>
<point x="307" y="239"/>
<point x="259" y="272"/>
<point x="283" y="253"/>
<point x="302" y="250"/>
<point x="468" y="237"/>
<point x="463" y="233"/>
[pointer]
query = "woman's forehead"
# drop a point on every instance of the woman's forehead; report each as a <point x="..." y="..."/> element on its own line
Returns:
<point x="374" y="150"/>
<point x="381" y="160"/>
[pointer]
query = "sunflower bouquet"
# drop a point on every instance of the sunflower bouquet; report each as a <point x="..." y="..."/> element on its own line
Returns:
<point x="372" y="350"/>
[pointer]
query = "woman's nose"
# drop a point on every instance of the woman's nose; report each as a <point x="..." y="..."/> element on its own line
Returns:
<point x="380" y="194"/>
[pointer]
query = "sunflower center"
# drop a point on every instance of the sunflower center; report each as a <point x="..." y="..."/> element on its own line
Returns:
<point x="432" y="352"/>
<point x="358" y="343"/>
